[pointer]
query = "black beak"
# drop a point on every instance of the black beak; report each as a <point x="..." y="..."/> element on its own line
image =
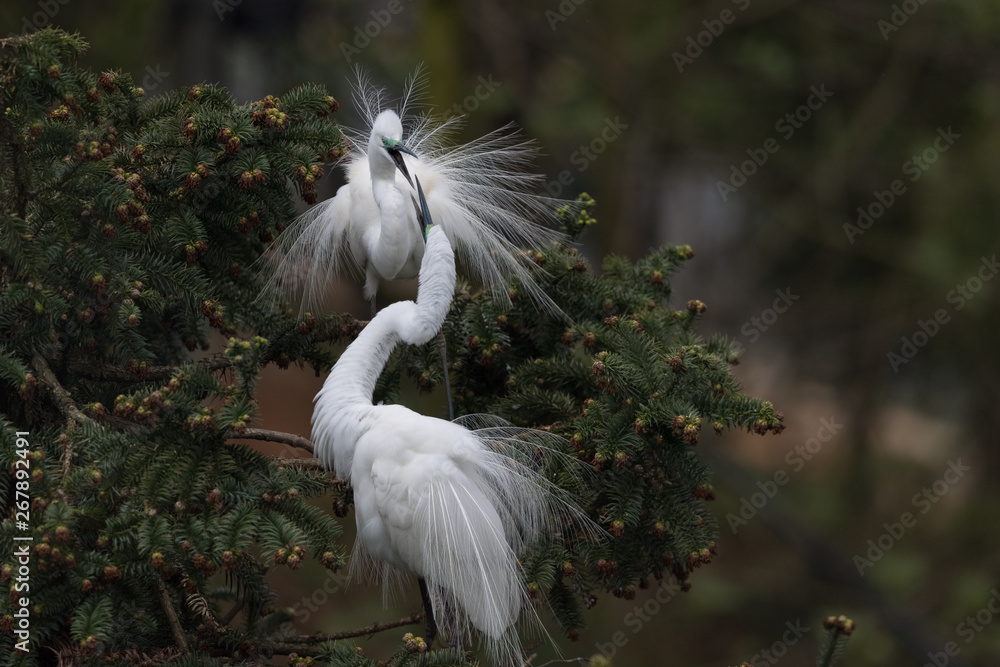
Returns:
<point x="395" y="153"/>
<point x="423" y="213"/>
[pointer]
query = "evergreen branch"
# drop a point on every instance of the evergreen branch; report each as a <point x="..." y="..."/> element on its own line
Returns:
<point x="65" y="403"/>
<point x="168" y="609"/>
<point x="62" y="397"/>
<point x="296" y="645"/>
<point x="290" y="439"/>
<point x="114" y="374"/>
<point x="17" y="163"/>
<point x="282" y="461"/>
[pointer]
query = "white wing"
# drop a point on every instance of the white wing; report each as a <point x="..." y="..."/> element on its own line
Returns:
<point x="452" y="505"/>
<point x="480" y="193"/>
<point x="309" y="256"/>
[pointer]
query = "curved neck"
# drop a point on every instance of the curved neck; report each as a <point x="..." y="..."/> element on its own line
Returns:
<point x="353" y="378"/>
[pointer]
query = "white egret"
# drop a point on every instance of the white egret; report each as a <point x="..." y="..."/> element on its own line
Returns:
<point x="432" y="498"/>
<point x="478" y="193"/>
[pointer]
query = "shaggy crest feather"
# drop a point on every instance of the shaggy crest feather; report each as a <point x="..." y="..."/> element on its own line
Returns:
<point x="479" y="192"/>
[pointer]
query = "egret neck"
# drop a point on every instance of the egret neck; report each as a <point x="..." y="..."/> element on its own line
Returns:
<point x="349" y="389"/>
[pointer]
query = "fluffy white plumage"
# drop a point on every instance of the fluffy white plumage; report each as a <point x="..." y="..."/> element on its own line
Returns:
<point x="479" y="193"/>
<point x="436" y="499"/>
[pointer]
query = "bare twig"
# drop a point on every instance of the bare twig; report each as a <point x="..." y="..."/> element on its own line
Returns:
<point x="216" y="362"/>
<point x="66" y="404"/>
<point x="168" y="609"/>
<point x="237" y="608"/>
<point x="300" y="644"/>
<point x="830" y="567"/>
<point x="291" y="439"/>
<point x="302" y="462"/>
<point x="62" y="397"/>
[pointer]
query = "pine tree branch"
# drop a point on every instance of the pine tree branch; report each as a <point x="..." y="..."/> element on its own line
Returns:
<point x="64" y="401"/>
<point x="290" y="439"/>
<point x="114" y="374"/>
<point x="302" y="462"/>
<point x="299" y="644"/>
<point x="168" y="609"/>
<point x="16" y="159"/>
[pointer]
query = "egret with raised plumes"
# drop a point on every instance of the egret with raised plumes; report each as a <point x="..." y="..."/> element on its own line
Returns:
<point x="452" y="505"/>
<point x="478" y="193"/>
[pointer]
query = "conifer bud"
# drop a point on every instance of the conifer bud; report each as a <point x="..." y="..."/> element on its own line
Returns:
<point x="107" y="81"/>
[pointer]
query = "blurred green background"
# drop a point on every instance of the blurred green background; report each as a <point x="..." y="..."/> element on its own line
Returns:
<point x="834" y="166"/>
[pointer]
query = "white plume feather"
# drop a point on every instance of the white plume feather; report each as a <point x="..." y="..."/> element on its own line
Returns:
<point x="480" y="193"/>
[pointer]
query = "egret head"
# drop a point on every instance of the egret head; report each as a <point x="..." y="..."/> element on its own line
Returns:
<point x="386" y="139"/>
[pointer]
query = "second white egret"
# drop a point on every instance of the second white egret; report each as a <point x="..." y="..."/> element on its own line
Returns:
<point x="478" y="193"/>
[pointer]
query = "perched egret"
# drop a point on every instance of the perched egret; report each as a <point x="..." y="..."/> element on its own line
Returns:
<point x="452" y="505"/>
<point x="478" y="193"/>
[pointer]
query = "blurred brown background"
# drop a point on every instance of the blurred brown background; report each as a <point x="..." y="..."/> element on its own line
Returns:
<point x="834" y="166"/>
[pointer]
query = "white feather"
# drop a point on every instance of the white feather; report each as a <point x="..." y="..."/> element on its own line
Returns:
<point x="454" y="502"/>
<point x="480" y="194"/>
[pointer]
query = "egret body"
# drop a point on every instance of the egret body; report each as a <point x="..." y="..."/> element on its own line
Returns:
<point x="432" y="498"/>
<point x="478" y="193"/>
